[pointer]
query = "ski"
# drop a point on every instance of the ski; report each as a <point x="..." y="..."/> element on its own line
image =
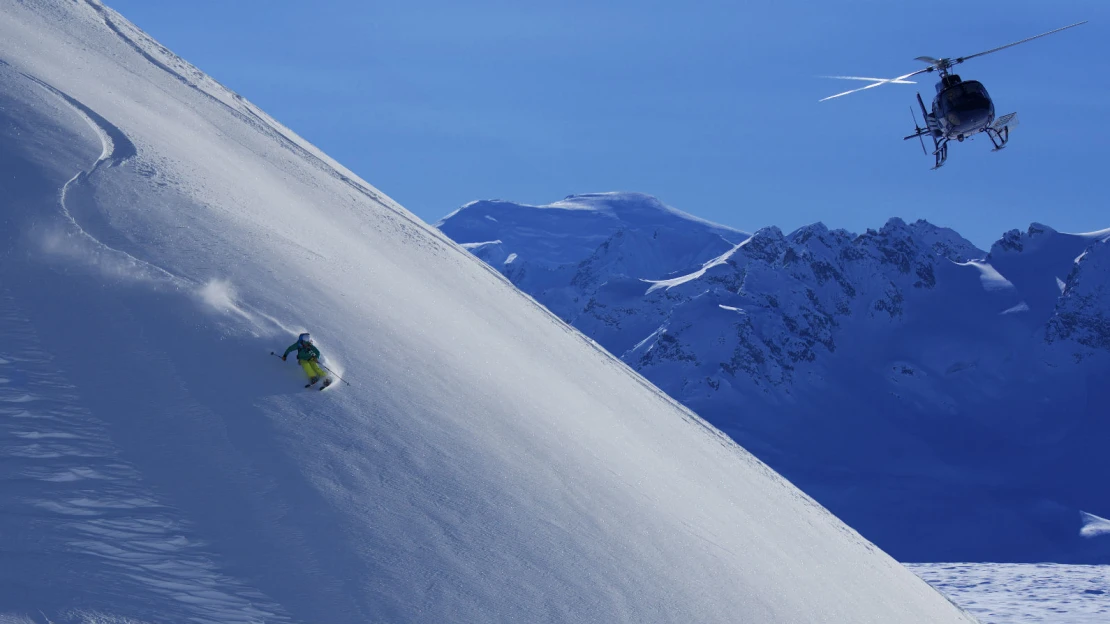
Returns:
<point x="327" y="382"/>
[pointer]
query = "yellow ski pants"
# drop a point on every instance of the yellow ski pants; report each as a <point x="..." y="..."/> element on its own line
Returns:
<point x="312" y="368"/>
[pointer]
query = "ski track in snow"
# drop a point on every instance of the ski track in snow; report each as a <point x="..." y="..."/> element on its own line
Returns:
<point x="1004" y="593"/>
<point x="116" y="150"/>
<point x="243" y="109"/>
<point x="63" y="471"/>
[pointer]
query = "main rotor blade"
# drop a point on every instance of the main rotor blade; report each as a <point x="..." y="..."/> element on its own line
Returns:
<point x="898" y="80"/>
<point x="1010" y="45"/>
<point x="895" y="81"/>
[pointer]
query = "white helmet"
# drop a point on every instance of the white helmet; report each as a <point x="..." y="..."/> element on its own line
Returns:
<point x="304" y="338"/>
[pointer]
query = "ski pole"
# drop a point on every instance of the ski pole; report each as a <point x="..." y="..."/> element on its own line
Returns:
<point x="333" y="373"/>
<point x="322" y="366"/>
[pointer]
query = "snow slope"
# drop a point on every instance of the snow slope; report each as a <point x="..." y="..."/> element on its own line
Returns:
<point x="486" y="463"/>
<point x="947" y="402"/>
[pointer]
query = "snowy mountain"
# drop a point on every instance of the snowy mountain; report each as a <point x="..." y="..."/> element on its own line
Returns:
<point x="162" y="236"/>
<point x="947" y="402"/>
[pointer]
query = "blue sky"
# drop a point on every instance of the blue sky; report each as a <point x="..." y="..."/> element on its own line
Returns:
<point x="709" y="105"/>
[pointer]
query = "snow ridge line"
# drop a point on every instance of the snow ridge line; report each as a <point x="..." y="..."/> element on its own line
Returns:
<point x="264" y="126"/>
<point x="257" y="121"/>
<point x="248" y="114"/>
<point x="682" y="279"/>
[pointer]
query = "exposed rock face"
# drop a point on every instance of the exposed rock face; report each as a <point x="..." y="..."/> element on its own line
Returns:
<point x="1083" y="312"/>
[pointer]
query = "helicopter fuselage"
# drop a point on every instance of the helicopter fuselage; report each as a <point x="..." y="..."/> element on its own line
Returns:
<point x="961" y="108"/>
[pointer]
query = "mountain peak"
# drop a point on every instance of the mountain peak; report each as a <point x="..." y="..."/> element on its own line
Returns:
<point x="1039" y="228"/>
<point x="1036" y="236"/>
<point x="894" y="224"/>
<point x="767" y="244"/>
<point x="923" y="235"/>
<point x="613" y="210"/>
<point x="945" y="242"/>
<point x="806" y="232"/>
<point x="770" y="232"/>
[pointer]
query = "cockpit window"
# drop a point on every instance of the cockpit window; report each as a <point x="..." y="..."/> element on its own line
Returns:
<point x="965" y="96"/>
<point x="974" y="88"/>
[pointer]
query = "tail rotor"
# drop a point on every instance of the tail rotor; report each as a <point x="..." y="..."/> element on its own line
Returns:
<point x="918" y="131"/>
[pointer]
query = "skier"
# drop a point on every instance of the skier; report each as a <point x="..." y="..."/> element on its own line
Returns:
<point x="308" y="356"/>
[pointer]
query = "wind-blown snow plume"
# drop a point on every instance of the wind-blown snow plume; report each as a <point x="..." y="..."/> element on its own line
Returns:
<point x="1094" y="526"/>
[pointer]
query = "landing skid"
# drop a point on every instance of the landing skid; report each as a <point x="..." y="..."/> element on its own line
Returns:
<point x="941" y="153"/>
<point x="999" y="137"/>
<point x="999" y="131"/>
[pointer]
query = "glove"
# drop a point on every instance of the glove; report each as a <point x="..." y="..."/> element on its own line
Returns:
<point x="283" y="357"/>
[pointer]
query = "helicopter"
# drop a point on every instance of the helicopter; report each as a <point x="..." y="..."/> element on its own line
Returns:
<point x="961" y="108"/>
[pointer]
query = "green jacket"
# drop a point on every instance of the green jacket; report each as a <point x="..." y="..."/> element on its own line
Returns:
<point x="305" y="351"/>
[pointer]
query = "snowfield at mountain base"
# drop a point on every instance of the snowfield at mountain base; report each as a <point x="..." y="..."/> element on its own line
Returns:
<point x="1009" y="593"/>
<point x="162" y="236"/>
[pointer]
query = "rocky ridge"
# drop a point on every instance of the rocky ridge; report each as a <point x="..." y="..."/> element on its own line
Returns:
<point x="811" y="348"/>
